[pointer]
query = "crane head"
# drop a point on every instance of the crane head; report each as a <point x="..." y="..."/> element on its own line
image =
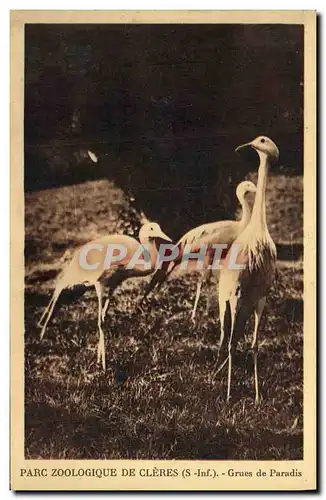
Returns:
<point x="150" y="231"/>
<point x="245" y="187"/>
<point x="265" y="145"/>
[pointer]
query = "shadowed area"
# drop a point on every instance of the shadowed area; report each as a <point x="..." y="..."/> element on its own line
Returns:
<point x="78" y="438"/>
<point x="163" y="109"/>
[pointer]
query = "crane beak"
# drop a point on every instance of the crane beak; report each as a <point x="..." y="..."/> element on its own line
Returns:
<point x="247" y="144"/>
<point x="162" y="236"/>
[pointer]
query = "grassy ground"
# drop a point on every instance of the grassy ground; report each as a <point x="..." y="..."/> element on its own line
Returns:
<point x="159" y="397"/>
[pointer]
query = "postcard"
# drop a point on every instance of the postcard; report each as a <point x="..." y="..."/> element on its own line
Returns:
<point x="163" y="250"/>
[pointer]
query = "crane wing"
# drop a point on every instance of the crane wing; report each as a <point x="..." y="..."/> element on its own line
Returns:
<point x="212" y="233"/>
<point x="207" y="234"/>
<point x="77" y="273"/>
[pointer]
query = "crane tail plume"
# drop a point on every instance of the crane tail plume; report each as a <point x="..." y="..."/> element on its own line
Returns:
<point x="155" y="283"/>
<point x="158" y="279"/>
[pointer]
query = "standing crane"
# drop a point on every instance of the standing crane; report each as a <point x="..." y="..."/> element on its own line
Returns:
<point x="221" y="232"/>
<point x="96" y="274"/>
<point x="242" y="292"/>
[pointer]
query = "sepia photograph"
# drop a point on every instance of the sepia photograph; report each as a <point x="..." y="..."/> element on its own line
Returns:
<point x="163" y="185"/>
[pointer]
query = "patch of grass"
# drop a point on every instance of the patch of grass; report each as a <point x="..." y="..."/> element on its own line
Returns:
<point x="159" y="398"/>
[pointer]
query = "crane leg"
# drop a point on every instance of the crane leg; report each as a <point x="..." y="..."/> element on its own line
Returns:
<point x="99" y="287"/>
<point x="233" y="306"/>
<point x="229" y="370"/>
<point x="50" y="308"/>
<point x="105" y="308"/>
<point x="254" y="346"/>
<point x="222" y="325"/>
<point x="224" y="312"/>
<point x="46" y="310"/>
<point x="199" y="285"/>
<point x="209" y="297"/>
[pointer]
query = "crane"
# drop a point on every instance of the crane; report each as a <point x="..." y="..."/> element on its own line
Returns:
<point x="221" y="232"/>
<point x="88" y="267"/>
<point x="242" y="291"/>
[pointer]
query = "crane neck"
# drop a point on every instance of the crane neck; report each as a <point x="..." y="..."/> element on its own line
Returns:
<point x="245" y="217"/>
<point x="151" y="245"/>
<point x="258" y="218"/>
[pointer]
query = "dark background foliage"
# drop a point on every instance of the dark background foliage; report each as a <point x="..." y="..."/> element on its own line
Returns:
<point x="163" y="107"/>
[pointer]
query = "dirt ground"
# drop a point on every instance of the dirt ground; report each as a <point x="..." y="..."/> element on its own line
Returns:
<point x="159" y="398"/>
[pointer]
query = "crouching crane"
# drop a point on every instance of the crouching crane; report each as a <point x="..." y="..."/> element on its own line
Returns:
<point x="242" y="292"/>
<point x="221" y="232"/>
<point x="89" y="267"/>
